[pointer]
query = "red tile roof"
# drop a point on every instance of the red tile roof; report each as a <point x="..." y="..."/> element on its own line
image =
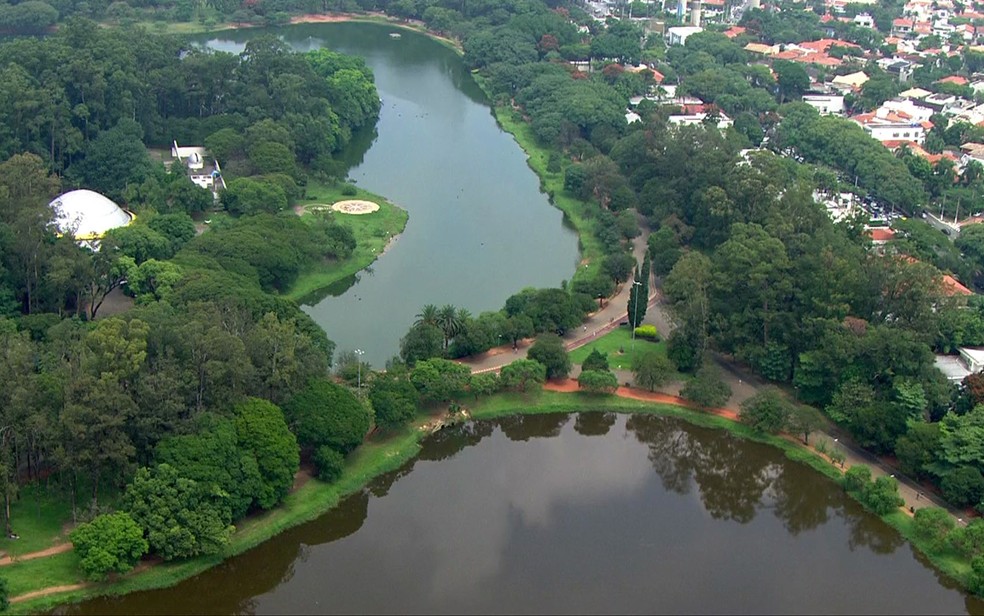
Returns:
<point x="824" y="44"/>
<point x="951" y="287"/>
<point x="881" y="234"/>
<point x="957" y="79"/>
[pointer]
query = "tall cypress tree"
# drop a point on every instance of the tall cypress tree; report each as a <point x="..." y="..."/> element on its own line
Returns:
<point x="639" y="294"/>
<point x="647" y="267"/>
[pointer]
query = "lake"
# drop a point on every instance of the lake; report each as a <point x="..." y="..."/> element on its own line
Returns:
<point x="479" y="229"/>
<point x="587" y="513"/>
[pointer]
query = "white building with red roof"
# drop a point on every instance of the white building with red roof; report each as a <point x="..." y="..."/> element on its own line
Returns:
<point x="887" y="125"/>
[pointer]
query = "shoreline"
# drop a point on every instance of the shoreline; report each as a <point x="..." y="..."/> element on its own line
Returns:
<point x="376" y="458"/>
<point x="370" y="17"/>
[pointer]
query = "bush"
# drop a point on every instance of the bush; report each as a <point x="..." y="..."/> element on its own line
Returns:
<point x="329" y="463"/>
<point x="969" y="540"/>
<point x="707" y="388"/>
<point x="597" y="381"/>
<point x="111" y="542"/>
<point x="766" y="411"/>
<point x="553" y="163"/>
<point x="647" y="332"/>
<point x="548" y="349"/>
<point x="882" y="496"/>
<point x="394" y="399"/>
<point x="857" y="477"/>
<point x="975" y="581"/>
<point x="933" y="525"/>
<point x="523" y="375"/>
<point x="595" y="361"/>
<point x="349" y="191"/>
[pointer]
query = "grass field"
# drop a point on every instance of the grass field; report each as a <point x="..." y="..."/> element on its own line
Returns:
<point x="618" y="346"/>
<point x="372" y="233"/>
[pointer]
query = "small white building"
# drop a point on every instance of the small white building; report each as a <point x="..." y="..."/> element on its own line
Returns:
<point x="957" y="368"/>
<point x="679" y="35"/>
<point x="691" y="119"/>
<point x="909" y="109"/>
<point x="847" y="83"/>
<point x="193" y="159"/>
<point x="864" y="20"/>
<point x="88" y="215"/>
<point x="826" y="104"/>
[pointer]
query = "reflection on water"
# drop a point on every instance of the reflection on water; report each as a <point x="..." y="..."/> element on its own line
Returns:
<point x="553" y="513"/>
<point x="335" y="289"/>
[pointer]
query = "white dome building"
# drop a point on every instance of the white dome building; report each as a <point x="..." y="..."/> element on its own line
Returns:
<point x="87" y="215"/>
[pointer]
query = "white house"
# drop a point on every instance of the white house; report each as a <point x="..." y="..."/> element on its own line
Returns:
<point x="680" y="34"/>
<point x="910" y="109"/>
<point x="864" y="20"/>
<point x="691" y="119"/>
<point x="193" y="159"/>
<point x="886" y="125"/>
<point x="956" y="368"/>
<point x="825" y="104"/>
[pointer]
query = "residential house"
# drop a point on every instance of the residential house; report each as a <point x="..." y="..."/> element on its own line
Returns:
<point x="826" y="104"/>
<point x="194" y="159"/>
<point x="679" y="35"/>
<point x="886" y="125"/>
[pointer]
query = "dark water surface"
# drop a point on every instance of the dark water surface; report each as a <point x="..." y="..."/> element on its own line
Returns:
<point x="593" y="513"/>
<point x="479" y="230"/>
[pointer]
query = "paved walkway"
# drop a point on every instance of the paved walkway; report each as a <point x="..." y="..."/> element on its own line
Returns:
<point x="597" y="324"/>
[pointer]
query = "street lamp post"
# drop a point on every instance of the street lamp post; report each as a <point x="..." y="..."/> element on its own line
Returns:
<point x="635" y="311"/>
<point x="359" y="352"/>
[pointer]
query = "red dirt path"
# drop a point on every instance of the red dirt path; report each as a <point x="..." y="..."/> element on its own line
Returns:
<point x="570" y="385"/>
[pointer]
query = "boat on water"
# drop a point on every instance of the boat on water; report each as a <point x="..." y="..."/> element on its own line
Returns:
<point x="394" y="35"/>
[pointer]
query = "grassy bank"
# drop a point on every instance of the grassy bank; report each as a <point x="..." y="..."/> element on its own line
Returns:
<point x="383" y="455"/>
<point x="372" y="234"/>
<point x="197" y="27"/>
<point x="310" y="501"/>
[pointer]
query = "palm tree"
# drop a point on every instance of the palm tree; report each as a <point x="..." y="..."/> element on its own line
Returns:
<point x="450" y="322"/>
<point x="428" y="316"/>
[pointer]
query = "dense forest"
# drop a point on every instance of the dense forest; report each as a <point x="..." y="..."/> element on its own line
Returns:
<point x="143" y="412"/>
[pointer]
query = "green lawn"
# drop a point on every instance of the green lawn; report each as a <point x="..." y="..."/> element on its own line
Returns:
<point x="38" y="520"/>
<point x="57" y="570"/>
<point x="372" y="232"/>
<point x="619" y="339"/>
<point x="42" y="519"/>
